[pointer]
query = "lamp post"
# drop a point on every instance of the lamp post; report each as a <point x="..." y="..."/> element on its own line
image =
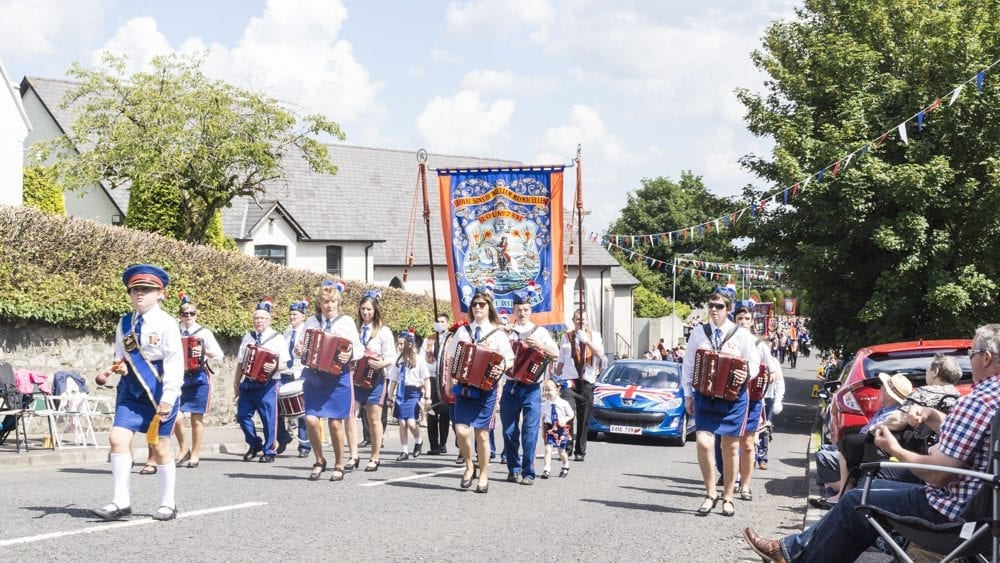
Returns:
<point x="673" y="302"/>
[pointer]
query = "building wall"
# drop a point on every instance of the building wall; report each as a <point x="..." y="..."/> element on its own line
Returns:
<point x="309" y="255"/>
<point x="13" y="132"/>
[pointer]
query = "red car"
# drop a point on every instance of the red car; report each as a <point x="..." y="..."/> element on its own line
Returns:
<point x="858" y="394"/>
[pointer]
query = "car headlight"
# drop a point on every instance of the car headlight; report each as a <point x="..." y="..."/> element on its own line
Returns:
<point x="599" y="403"/>
<point x="670" y="405"/>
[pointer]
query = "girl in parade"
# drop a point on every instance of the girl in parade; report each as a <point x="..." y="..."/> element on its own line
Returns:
<point x="328" y="395"/>
<point x="378" y="342"/>
<point x="148" y="355"/>
<point x="256" y="391"/>
<point x="556" y="416"/>
<point x="474" y="408"/>
<point x="410" y="382"/>
<point x="196" y="392"/>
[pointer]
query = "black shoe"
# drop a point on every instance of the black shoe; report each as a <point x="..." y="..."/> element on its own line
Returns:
<point x="266" y="459"/>
<point x="163" y="517"/>
<point x="417" y="448"/>
<point x="459" y="460"/>
<point x="466" y="483"/>
<point x="112" y="513"/>
<point x="433" y="451"/>
<point x="281" y="448"/>
<point x="564" y="471"/>
<point x="403" y="457"/>
<point x="183" y="460"/>
<point x="252" y="453"/>
<point x="373" y="465"/>
<point x="579" y="457"/>
<point x="443" y="451"/>
<point x="483" y="488"/>
<point x="364" y="443"/>
<point x="513" y="477"/>
<point x="317" y="470"/>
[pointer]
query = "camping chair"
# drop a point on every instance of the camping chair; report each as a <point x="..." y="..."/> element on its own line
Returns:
<point x="23" y="408"/>
<point x="975" y="536"/>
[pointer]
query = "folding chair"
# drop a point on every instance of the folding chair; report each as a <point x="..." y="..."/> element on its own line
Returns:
<point x="24" y="408"/>
<point x="975" y="536"/>
<point x="71" y="414"/>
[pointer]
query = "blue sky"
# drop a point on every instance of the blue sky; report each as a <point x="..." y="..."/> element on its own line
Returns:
<point x="645" y="86"/>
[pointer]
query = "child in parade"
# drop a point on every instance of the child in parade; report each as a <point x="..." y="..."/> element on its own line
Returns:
<point x="196" y="392"/>
<point x="556" y="416"/>
<point x="410" y="381"/>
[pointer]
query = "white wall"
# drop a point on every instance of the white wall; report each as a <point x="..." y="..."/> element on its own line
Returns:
<point x="13" y="131"/>
<point x="308" y="255"/>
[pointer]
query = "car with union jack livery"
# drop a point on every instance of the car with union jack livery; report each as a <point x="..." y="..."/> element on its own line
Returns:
<point x="640" y="398"/>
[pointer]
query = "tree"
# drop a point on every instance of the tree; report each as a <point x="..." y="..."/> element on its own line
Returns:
<point x="41" y="190"/>
<point x="662" y="205"/>
<point x="891" y="247"/>
<point x="188" y="145"/>
<point x="650" y="305"/>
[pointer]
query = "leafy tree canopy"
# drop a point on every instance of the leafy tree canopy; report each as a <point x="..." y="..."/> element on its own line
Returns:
<point x="893" y="247"/>
<point x="41" y="190"/>
<point x="180" y="139"/>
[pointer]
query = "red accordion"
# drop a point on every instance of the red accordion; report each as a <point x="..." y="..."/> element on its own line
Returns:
<point x="365" y="375"/>
<point x="529" y="363"/>
<point x="473" y="366"/>
<point x="758" y="384"/>
<point x="321" y="349"/>
<point x="713" y="374"/>
<point x="192" y="363"/>
<point x="253" y="363"/>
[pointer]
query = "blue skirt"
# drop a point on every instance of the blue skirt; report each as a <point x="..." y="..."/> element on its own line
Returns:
<point x="474" y="407"/>
<point x="719" y="416"/>
<point x="195" y="396"/>
<point x="373" y="396"/>
<point x="136" y="414"/>
<point x="327" y="395"/>
<point x="753" y="418"/>
<point x="409" y="407"/>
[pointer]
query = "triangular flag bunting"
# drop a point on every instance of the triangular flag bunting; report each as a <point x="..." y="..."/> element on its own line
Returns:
<point x="955" y="94"/>
<point x="902" y="133"/>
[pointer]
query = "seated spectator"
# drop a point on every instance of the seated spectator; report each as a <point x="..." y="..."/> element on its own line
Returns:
<point x="843" y="533"/>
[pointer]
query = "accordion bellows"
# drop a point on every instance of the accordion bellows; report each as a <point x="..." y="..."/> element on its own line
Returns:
<point x="713" y="374"/>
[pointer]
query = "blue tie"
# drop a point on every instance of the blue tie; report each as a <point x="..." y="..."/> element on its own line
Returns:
<point x="186" y="333"/>
<point x="400" y="386"/>
<point x="291" y="349"/>
<point x="364" y="336"/>
<point x="555" y="415"/>
<point x="138" y="327"/>
<point x="256" y="337"/>
<point x="327" y="327"/>
<point x="718" y="338"/>
<point x="476" y="334"/>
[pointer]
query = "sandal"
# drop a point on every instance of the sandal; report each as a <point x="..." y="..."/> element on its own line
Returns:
<point x="728" y="509"/>
<point x="546" y="474"/>
<point x="317" y="470"/>
<point x="179" y="462"/>
<point x="745" y="494"/>
<point x="352" y="464"/>
<point x="708" y="505"/>
<point x="373" y="465"/>
<point x="148" y="469"/>
<point x="337" y="474"/>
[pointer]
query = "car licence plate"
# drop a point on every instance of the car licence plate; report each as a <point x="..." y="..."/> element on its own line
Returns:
<point x="619" y="429"/>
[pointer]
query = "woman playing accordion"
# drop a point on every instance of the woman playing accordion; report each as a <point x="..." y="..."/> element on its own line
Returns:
<point x="725" y="411"/>
<point x="369" y="381"/>
<point x="476" y="398"/>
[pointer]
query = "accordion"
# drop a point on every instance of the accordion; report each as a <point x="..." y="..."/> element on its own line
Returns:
<point x="473" y="365"/>
<point x="320" y="350"/>
<point x="365" y="376"/>
<point x="253" y="363"/>
<point x="529" y="363"/>
<point x="192" y="363"/>
<point x="758" y="384"/>
<point x="713" y="374"/>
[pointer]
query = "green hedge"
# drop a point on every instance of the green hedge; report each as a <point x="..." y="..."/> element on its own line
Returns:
<point x="67" y="271"/>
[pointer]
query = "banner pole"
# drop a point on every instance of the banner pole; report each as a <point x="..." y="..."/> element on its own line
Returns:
<point x="422" y="175"/>
<point x="579" y="230"/>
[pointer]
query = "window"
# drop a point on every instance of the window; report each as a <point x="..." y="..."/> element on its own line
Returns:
<point x="271" y="253"/>
<point x="334" y="260"/>
<point x="397" y="283"/>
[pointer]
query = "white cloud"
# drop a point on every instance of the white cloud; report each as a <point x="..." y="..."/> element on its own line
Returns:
<point x="507" y="81"/>
<point x="41" y="27"/>
<point x="140" y="39"/>
<point x="528" y="19"/>
<point x="444" y="57"/>
<point x="465" y="124"/>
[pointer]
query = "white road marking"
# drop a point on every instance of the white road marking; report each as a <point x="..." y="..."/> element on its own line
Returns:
<point x="125" y="524"/>
<point x="412" y="477"/>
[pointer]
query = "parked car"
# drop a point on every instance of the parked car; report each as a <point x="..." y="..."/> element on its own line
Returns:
<point x="855" y="397"/>
<point x="640" y="398"/>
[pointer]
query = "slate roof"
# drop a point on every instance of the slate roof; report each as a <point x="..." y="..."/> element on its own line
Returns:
<point x="370" y="199"/>
<point x="621" y="276"/>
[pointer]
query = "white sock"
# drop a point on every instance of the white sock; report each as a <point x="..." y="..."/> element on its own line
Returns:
<point x="121" y="475"/>
<point x="420" y="440"/>
<point x="406" y="448"/>
<point x="168" y="477"/>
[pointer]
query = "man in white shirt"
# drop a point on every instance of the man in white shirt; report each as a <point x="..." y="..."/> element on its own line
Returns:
<point x="579" y="364"/>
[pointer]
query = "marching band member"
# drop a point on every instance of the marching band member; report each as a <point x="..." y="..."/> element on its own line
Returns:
<point x="719" y="416"/>
<point x="580" y="355"/>
<point x="520" y="399"/>
<point x="147" y="352"/>
<point x="438" y="418"/>
<point x="327" y="395"/>
<point x="376" y="338"/>
<point x="743" y="314"/>
<point x="474" y="408"/>
<point x="256" y="396"/>
<point x="410" y="381"/>
<point x="293" y="371"/>
<point x="196" y="392"/>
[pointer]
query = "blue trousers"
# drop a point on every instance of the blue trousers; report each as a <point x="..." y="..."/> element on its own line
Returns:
<point x="263" y="400"/>
<point x="843" y="533"/>
<point x="517" y="401"/>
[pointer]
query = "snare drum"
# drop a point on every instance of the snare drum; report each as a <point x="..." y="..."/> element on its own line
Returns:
<point x="291" y="401"/>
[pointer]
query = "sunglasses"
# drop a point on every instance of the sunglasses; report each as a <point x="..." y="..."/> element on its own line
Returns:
<point x="717" y="306"/>
<point x="478" y="303"/>
<point x="188" y="314"/>
<point x="972" y="352"/>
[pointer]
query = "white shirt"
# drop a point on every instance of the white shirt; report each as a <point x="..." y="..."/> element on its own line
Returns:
<point x="414" y="376"/>
<point x="521" y="332"/>
<point x="296" y="369"/>
<point x="590" y="370"/>
<point x="382" y="342"/>
<point x="564" y="412"/>
<point x="269" y="340"/>
<point x="742" y="343"/>
<point x="159" y="339"/>
<point x="343" y="327"/>
<point x="776" y="390"/>
<point x="211" y="348"/>
<point x="497" y="341"/>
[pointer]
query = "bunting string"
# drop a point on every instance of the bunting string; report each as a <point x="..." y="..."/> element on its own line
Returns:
<point x="699" y="268"/>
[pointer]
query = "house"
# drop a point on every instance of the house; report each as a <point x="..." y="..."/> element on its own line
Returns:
<point x="361" y="224"/>
<point x="14" y="129"/>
